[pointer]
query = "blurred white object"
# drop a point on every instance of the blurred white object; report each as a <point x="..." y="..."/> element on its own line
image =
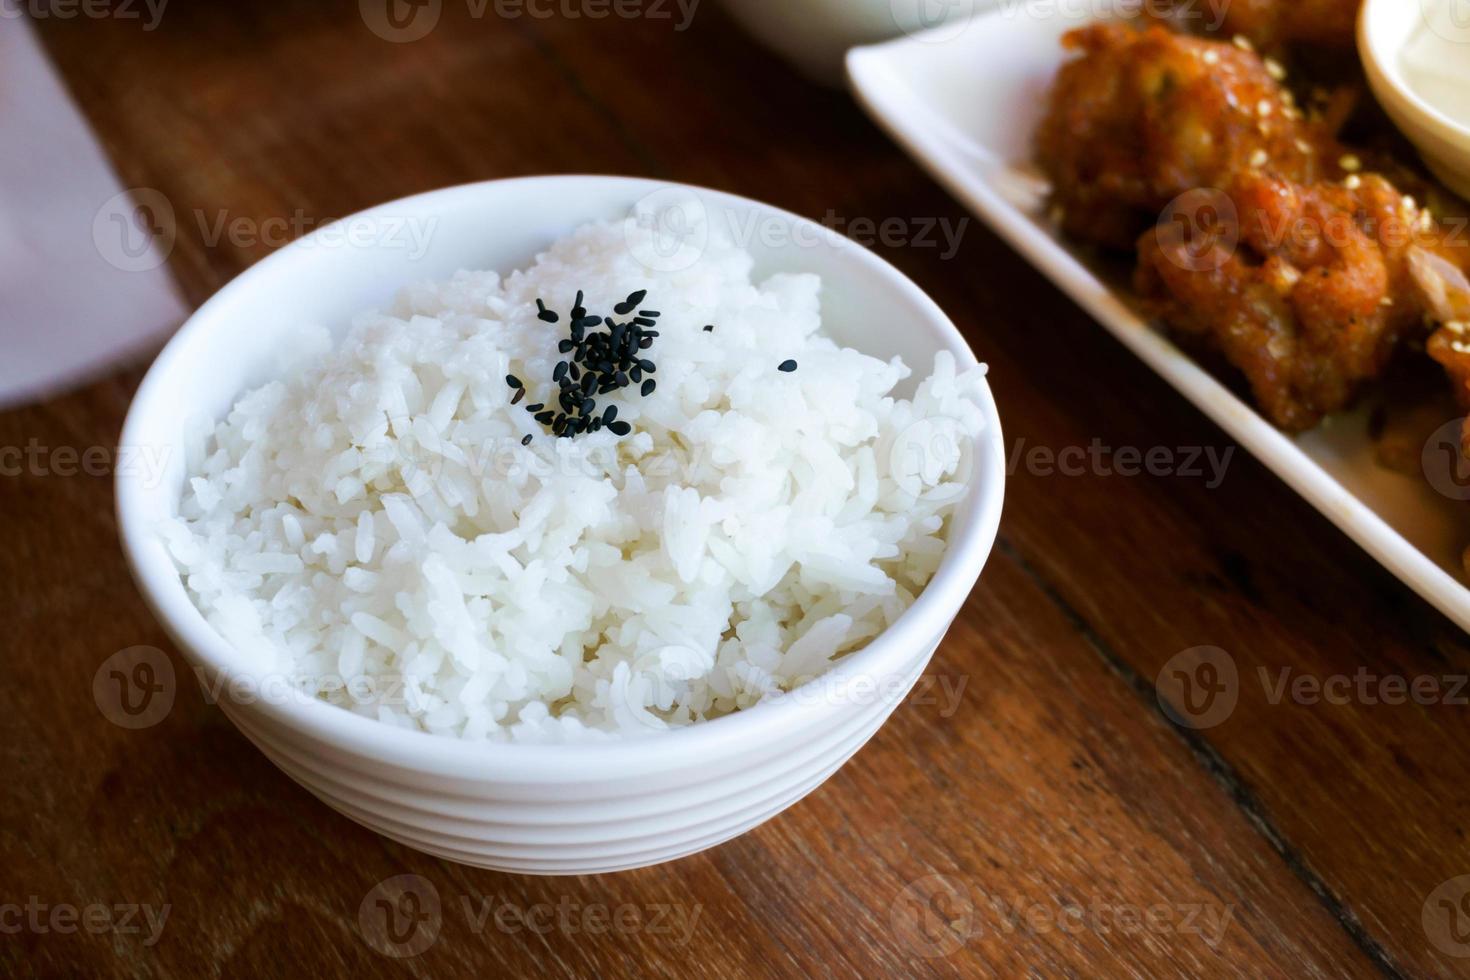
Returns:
<point x="1405" y="48"/>
<point x="82" y="271"/>
<point x="815" y="34"/>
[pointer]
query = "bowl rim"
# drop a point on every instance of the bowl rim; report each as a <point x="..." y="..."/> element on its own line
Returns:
<point x="919" y="627"/>
<point x="1381" y="66"/>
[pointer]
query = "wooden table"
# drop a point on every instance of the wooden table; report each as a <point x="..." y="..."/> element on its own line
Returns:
<point x="1030" y="810"/>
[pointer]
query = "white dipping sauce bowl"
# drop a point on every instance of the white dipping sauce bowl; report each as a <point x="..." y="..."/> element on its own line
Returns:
<point x="542" y="809"/>
<point x="1384" y="28"/>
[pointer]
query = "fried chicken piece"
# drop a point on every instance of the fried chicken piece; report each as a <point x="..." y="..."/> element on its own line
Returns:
<point x="1410" y="407"/>
<point x="1307" y="289"/>
<point x="1146" y="115"/>
<point x="1273" y="24"/>
<point x="1440" y="275"/>
<point x="1450" y="346"/>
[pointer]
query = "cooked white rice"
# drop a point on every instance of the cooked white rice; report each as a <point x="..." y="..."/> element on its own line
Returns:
<point x="371" y="528"/>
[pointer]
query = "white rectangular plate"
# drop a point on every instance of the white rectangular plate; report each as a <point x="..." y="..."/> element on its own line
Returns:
<point x="965" y="100"/>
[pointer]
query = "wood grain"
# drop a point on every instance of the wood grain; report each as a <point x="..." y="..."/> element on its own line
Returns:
<point x="1023" y="813"/>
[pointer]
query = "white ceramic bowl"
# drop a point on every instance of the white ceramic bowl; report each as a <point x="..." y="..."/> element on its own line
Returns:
<point x="814" y="35"/>
<point x="1384" y="28"/>
<point x="530" y="808"/>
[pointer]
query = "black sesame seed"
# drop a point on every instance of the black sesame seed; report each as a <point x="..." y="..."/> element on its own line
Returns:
<point x="520" y="393"/>
<point x="599" y="363"/>
<point x="631" y="303"/>
<point x="648" y="387"/>
<point x="709" y="328"/>
<point x="513" y="381"/>
<point x="787" y="366"/>
<point x="526" y="441"/>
